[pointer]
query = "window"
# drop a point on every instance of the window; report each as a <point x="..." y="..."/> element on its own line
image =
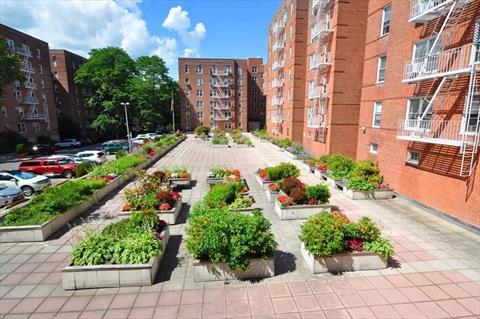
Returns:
<point x="187" y="104"/>
<point x="74" y="65"/>
<point x="213" y="69"/>
<point x="55" y="75"/>
<point x="11" y="45"/>
<point x="373" y="148"/>
<point x="54" y="62"/>
<point x="188" y="126"/>
<point x="228" y="125"/>
<point x="413" y="157"/>
<point x="471" y="125"/>
<point x="3" y="111"/>
<point x="213" y="93"/>
<point x="213" y="104"/>
<point x="187" y="69"/>
<point x="187" y="114"/>
<point x="213" y="81"/>
<point x="199" y="82"/>
<point x="226" y="69"/>
<point x="199" y="93"/>
<point x="42" y="84"/>
<point x="377" y="114"/>
<point x="199" y="103"/>
<point x="422" y="48"/>
<point x="40" y="69"/>
<point x="18" y="96"/>
<point x="227" y="115"/>
<point x="415" y="108"/>
<point x="39" y="54"/>
<point x="36" y="127"/>
<point x="21" y="128"/>
<point x="200" y="115"/>
<point x="187" y="81"/>
<point x="19" y="112"/>
<point x="199" y="69"/>
<point x="382" y="64"/>
<point x="476" y="40"/>
<point x="386" y="16"/>
<point x="55" y="87"/>
<point x="44" y="98"/>
<point x="187" y="93"/>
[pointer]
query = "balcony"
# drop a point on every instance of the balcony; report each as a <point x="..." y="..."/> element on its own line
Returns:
<point x="277" y="117"/>
<point x="434" y="132"/>
<point x="277" y="101"/>
<point x="218" y="117"/>
<point x="220" y="73"/>
<point x="30" y="100"/>
<point x="445" y="63"/>
<point x="426" y="10"/>
<point x="222" y="106"/>
<point x="321" y="29"/>
<point x="279" y="25"/>
<point x="30" y="85"/>
<point x="279" y="44"/>
<point x="278" y="64"/>
<point x="221" y="84"/>
<point x="320" y="4"/>
<point x="277" y="83"/>
<point x="36" y="117"/>
<point x="25" y="51"/>
<point x="317" y="92"/>
<point x="319" y="63"/>
<point x="27" y="69"/>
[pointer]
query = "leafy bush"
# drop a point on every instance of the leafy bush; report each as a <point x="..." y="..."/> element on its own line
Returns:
<point x="136" y="248"/>
<point x="95" y="249"/>
<point x="222" y="194"/>
<point x="9" y="140"/>
<point x="289" y="183"/>
<point x="242" y="202"/>
<point x="281" y="171"/>
<point x="298" y="195"/>
<point x="296" y="148"/>
<point x="327" y="234"/>
<point x="284" y="143"/>
<point x="230" y="237"/>
<point x="118" y="166"/>
<point x="262" y="134"/>
<point x="52" y="202"/>
<point x="219" y="137"/>
<point x="340" y="166"/>
<point x="84" y="168"/>
<point x="20" y="148"/>
<point x="239" y="138"/>
<point x="365" y="177"/>
<point x="202" y="130"/>
<point x="319" y="192"/>
<point x="120" y="154"/>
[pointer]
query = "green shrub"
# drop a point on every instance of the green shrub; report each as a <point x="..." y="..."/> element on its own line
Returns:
<point x="95" y="249"/>
<point x="20" y="148"/>
<point x="84" y="168"/>
<point x="380" y="246"/>
<point x="242" y="202"/>
<point x="321" y="192"/>
<point x="118" y="166"/>
<point x="202" y="130"/>
<point x="222" y="194"/>
<point x="9" y="140"/>
<point x="339" y="166"/>
<point x="284" y="143"/>
<point x="281" y="171"/>
<point x="53" y="201"/>
<point x="120" y="154"/>
<point x="136" y="248"/>
<point x="365" y="177"/>
<point x="230" y="237"/>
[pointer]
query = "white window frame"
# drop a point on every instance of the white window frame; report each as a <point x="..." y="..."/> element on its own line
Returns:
<point x="375" y="113"/>
<point x="382" y="25"/>
<point x="379" y="61"/>
<point x="411" y="160"/>
<point x="201" y="93"/>
<point x="187" y="69"/>
<point x="198" y="69"/>
<point x="373" y="148"/>
<point x="199" y="104"/>
<point x="23" y="127"/>
<point x="407" y="119"/>
<point x="464" y="125"/>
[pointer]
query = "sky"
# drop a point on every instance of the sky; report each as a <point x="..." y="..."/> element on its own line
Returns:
<point x="169" y="29"/>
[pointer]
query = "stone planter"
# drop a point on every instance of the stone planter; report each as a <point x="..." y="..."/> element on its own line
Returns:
<point x="305" y="166"/>
<point x="170" y="216"/>
<point x="215" y="180"/>
<point x="271" y="196"/>
<point x="209" y="271"/>
<point x="375" y="194"/>
<point x="343" y="262"/>
<point x="299" y="211"/>
<point x="261" y="182"/>
<point x="319" y="174"/>
<point x="278" y="148"/>
<point x="331" y="182"/>
<point x="42" y="232"/>
<point x="241" y="145"/>
<point x="291" y="155"/>
<point x="181" y="182"/>
<point x="220" y="145"/>
<point x="113" y="276"/>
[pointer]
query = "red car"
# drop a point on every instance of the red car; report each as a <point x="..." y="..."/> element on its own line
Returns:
<point x="49" y="166"/>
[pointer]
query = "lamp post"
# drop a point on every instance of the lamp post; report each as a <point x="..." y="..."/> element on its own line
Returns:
<point x="129" y="135"/>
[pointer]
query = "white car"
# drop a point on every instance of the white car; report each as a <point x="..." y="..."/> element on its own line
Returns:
<point x="29" y="183"/>
<point x="73" y="158"/>
<point x="70" y="143"/>
<point x="96" y="156"/>
<point x="9" y="195"/>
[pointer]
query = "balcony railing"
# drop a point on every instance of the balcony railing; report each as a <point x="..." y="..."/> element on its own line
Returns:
<point x="27" y="69"/>
<point x="320" y="4"/>
<point x="277" y="101"/>
<point x="448" y="62"/>
<point x="434" y="132"/>
<point x="279" y="44"/>
<point x="316" y="92"/>
<point x="24" y="51"/>
<point x="278" y="64"/>
<point x="425" y="10"/>
<point x="315" y="118"/>
<point x="321" y="29"/>
<point x="221" y="84"/>
<point x="276" y="83"/>
<point x="220" y="73"/>
<point x="36" y="117"/>
<point x="30" y="100"/>
<point x="277" y="117"/>
<point x="279" y="25"/>
<point x="319" y="63"/>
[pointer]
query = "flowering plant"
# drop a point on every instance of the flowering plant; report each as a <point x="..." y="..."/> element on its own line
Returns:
<point x="310" y="162"/>
<point x="126" y="207"/>
<point x="175" y="196"/>
<point x="274" y="187"/>
<point x="285" y="200"/>
<point x="164" y="206"/>
<point x="341" y="216"/>
<point x="322" y="167"/>
<point x="263" y="174"/>
<point x="355" y="245"/>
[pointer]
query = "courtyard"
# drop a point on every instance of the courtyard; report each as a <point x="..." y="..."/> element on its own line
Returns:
<point x="435" y="271"/>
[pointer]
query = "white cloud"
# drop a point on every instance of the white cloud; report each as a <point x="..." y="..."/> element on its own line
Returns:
<point x="81" y="25"/>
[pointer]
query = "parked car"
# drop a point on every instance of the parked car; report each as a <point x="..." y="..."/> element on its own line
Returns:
<point x="147" y="136"/>
<point x="97" y="156"/>
<point x="70" y="143"/>
<point x="50" y="166"/>
<point x="74" y="158"/>
<point x="43" y="149"/>
<point x="29" y="183"/>
<point x="112" y="147"/>
<point x="9" y="195"/>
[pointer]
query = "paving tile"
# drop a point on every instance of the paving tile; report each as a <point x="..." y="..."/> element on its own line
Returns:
<point x="372" y="297"/>
<point x="471" y="304"/>
<point x="336" y="314"/>
<point x="236" y="293"/>
<point x="278" y="290"/>
<point x="74" y="304"/>
<point x="215" y="310"/>
<point x="418" y="279"/>
<point x="431" y="310"/>
<point x="289" y="316"/>
<point x="68" y="315"/>
<point x="46" y="315"/>
<point x="284" y="305"/>
<point x="299" y="288"/>
<point x="399" y="281"/>
<point x="257" y="292"/>
<point x="393" y="296"/>
<point x="213" y="295"/>
<point x="169" y="298"/>
<point x="141" y="313"/>
<point x="52" y="304"/>
<point x="385" y="311"/>
<point x="8" y="304"/>
<point x="361" y="313"/>
<point x="92" y="314"/>
<point x="408" y="310"/>
<point x="329" y="301"/>
<point x="117" y="314"/>
<point x="313" y="315"/>
<point x="453" y="308"/>
<point x="360" y="283"/>
<point x="146" y="300"/>
<point x="454" y="291"/>
<point x="20" y="291"/>
<point x="414" y="294"/>
<point x="261" y="307"/>
<point x="380" y="282"/>
<point x="100" y="302"/>
<point x="123" y="301"/>
<point x="306" y="303"/>
<point x="238" y="308"/>
<point x="434" y="292"/>
<point x="437" y="278"/>
<point x="166" y="312"/>
<point x="454" y="276"/>
<point x="319" y="286"/>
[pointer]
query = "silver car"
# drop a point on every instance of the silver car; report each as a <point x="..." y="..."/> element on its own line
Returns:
<point x="29" y="183"/>
<point x="9" y="195"/>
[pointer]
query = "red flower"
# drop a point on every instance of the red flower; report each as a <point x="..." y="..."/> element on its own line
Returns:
<point x="285" y="200"/>
<point x="322" y="167"/>
<point x="312" y="201"/>
<point x="341" y="216"/>
<point x="244" y="189"/>
<point x="175" y="196"/>
<point x="165" y="206"/>
<point x="262" y="173"/>
<point x="273" y="187"/>
<point x="126" y="207"/>
<point x="355" y="244"/>
<point x="108" y="178"/>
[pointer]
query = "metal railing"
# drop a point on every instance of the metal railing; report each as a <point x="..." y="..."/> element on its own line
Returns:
<point x="448" y="62"/>
<point x="320" y="29"/>
<point x="277" y="117"/>
<point x="278" y="64"/>
<point x="24" y="51"/>
<point x="27" y="69"/>
<point x="276" y="83"/>
<point x="279" y="25"/>
<point x="315" y="118"/>
<point x="426" y="10"/>
<point x="30" y="100"/>
<point x="279" y="44"/>
<point x="277" y="101"/>
<point x="434" y="131"/>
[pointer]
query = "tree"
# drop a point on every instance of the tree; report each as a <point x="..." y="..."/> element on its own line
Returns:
<point x="107" y="73"/>
<point x="151" y="91"/>
<point x="10" y="66"/>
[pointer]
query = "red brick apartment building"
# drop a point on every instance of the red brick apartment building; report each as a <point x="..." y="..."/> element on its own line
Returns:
<point x="287" y="42"/>
<point x="336" y="41"/>
<point x="74" y="115"/>
<point x="394" y="81"/>
<point x="28" y="107"/>
<point x="221" y="93"/>
<point x="419" y="115"/>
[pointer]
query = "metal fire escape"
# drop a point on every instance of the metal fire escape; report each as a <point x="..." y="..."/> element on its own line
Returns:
<point x="321" y="31"/>
<point x="33" y="112"/>
<point x="278" y="48"/>
<point x="443" y="66"/>
<point x="222" y="95"/>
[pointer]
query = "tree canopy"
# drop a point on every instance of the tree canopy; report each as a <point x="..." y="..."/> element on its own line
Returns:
<point x="114" y="77"/>
<point x="10" y="66"/>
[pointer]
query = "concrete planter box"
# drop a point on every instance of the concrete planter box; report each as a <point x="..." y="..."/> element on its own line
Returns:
<point x="215" y="180"/>
<point x="42" y="232"/>
<point x="220" y="145"/>
<point x="375" y="194"/>
<point x="343" y="262"/>
<point x="319" y="173"/>
<point x="291" y="155"/>
<point x="113" y="276"/>
<point x="305" y="166"/>
<point x="182" y="182"/>
<point x="261" y="182"/>
<point x="278" y="148"/>
<point x="299" y="211"/>
<point x="209" y="271"/>
<point x="170" y="216"/>
<point x="271" y="196"/>
<point x="241" y="145"/>
<point x="331" y="182"/>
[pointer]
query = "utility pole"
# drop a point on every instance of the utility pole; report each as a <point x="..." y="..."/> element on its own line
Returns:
<point x="172" y="108"/>
<point x="129" y="135"/>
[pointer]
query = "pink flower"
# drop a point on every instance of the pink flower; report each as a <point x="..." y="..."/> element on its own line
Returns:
<point x="175" y="195"/>
<point x="165" y="206"/>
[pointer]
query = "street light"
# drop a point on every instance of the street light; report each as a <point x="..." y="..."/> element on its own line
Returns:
<point x="129" y="135"/>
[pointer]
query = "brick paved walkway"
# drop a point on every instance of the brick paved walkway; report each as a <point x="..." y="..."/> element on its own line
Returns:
<point x="436" y="274"/>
